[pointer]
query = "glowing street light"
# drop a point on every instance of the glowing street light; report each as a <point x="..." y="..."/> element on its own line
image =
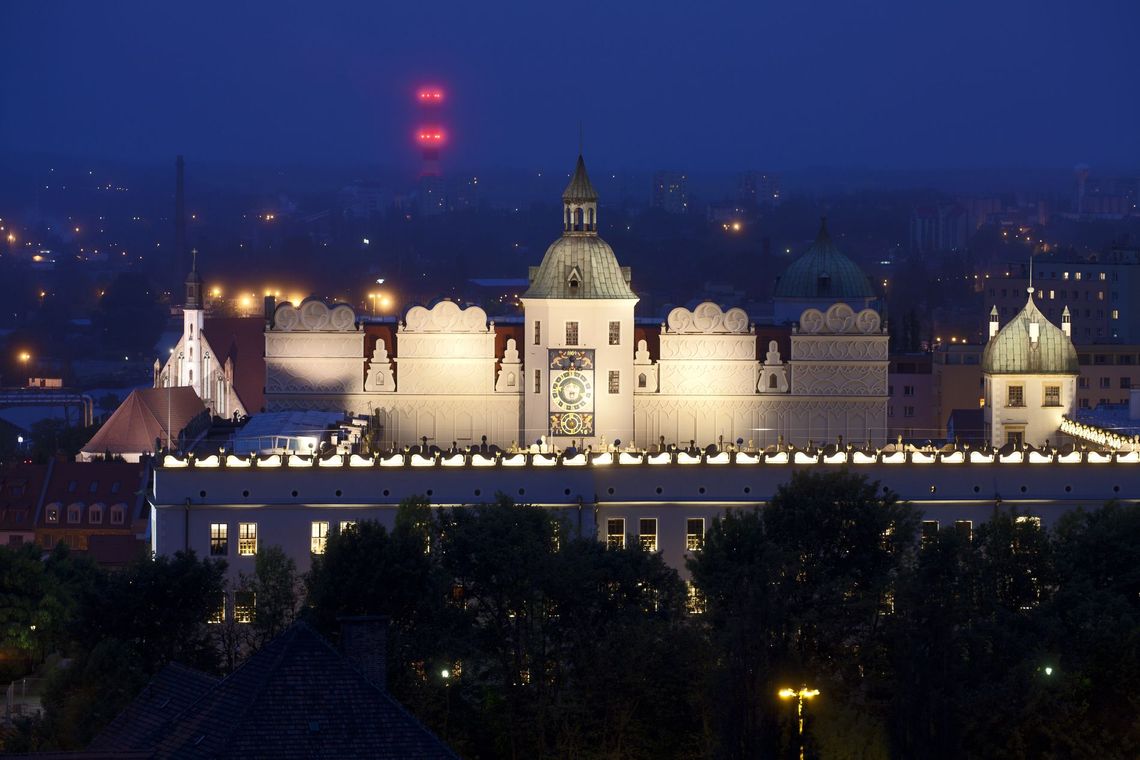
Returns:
<point x="799" y="695"/>
<point x="24" y="358"/>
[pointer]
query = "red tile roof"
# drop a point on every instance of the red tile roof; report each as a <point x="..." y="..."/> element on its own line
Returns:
<point x="243" y="340"/>
<point x="142" y="418"/>
<point x="87" y="483"/>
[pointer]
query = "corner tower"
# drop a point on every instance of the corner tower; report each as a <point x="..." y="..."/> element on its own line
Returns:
<point x="1030" y="370"/>
<point x="579" y="333"/>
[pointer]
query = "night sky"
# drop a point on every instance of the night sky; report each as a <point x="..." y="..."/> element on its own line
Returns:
<point x="692" y="85"/>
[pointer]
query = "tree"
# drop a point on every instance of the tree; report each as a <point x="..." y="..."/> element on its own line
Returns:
<point x="797" y="592"/>
<point x="275" y="586"/>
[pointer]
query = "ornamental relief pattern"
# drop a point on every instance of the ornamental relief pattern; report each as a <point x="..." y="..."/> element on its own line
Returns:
<point x="478" y="346"/>
<point x="313" y="315"/>
<point x="840" y="349"/>
<point x="707" y="318"/>
<point x="708" y="347"/>
<point x="314" y="376"/>
<point x="842" y="380"/>
<point x="445" y="317"/>
<point x="446" y="377"/>
<point x="330" y="345"/>
<point x="708" y="379"/>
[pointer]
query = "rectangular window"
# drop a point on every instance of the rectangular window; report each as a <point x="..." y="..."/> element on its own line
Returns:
<point x="1052" y="395"/>
<point x="1076" y="275"/>
<point x="537" y="333"/>
<point x="247" y="539"/>
<point x="95" y="515"/>
<point x="571" y="333"/>
<point x="1116" y="313"/>
<point x="694" y="534"/>
<point x="964" y="529"/>
<point x="219" y="539"/>
<point x="615" y="381"/>
<point x="908" y="411"/>
<point x="647" y="533"/>
<point x="319" y="537"/>
<point x="244" y="603"/>
<point x="346" y="525"/>
<point x="615" y="533"/>
<point x="73" y="513"/>
<point x="1082" y="382"/>
<point x="1016" y="395"/>
<point x="1125" y="383"/>
<point x="94" y="486"/>
<point x="694" y="599"/>
<point x="1083" y="403"/>
<point x="219" y="613"/>
<point x="1106" y="382"/>
<point x="615" y="333"/>
<point x="538" y="381"/>
<point x="908" y="390"/>
<point x="117" y="515"/>
<point x="929" y="533"/>
<point x="890" y="411"/>
<point x="1016" y="437"/>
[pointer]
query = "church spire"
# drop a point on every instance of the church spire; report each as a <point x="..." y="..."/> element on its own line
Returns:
<point x="193" y="285"/>
<point x="580" y="203"/>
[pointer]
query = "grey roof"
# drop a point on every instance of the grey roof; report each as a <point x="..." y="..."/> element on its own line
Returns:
<point x="296" y="697"/>
<point x="591" y="258"/>
<point x="824" y="272"/>
<point x="1011" y="352"/>
<point x="580" y="189"/>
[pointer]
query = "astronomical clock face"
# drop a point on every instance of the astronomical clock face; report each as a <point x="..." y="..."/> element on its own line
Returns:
<point x="572" y="392"/>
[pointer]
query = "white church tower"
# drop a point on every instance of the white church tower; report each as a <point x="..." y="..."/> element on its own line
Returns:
<point x="579" y="341"/>
<point x="1030" y="370"/>
<point x="191" y="364"/>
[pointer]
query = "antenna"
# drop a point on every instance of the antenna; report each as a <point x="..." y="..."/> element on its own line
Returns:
<point x="1031" y="274"/>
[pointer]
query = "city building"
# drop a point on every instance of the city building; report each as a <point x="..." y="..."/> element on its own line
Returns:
<point x="912" y="408"/>
<point x="295" y="697"/>
<point x="21" y="491"/>
<point x="576" y="372"/>
<point x="670" y="192"/>
<point x="1030" y="371"/>
<point x="944" y="227"/>
<point x="148" y="420"/>
<point x="758" y="189"/>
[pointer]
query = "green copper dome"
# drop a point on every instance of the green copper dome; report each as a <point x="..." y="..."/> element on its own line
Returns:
<point x="1014" y="352"/>
<point x="579" y="266"/>
<point x="825" y="273"/>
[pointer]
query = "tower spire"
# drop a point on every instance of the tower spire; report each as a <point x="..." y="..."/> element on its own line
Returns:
<point x="580" y="203"/>
<point x="193" y="285"/>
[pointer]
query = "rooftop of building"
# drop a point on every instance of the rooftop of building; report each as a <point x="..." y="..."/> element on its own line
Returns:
<point x="823" y="272"/>
<point x="1029" y="344"/>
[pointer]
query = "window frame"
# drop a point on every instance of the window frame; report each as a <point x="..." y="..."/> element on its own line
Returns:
<point x="646" y="540"/>
<point x="219" y="539"/>
<point x="318" y="536"/>
<point x="247" y="539"/>
<point x="615" y="540"/>
<point x="573" y="332"/>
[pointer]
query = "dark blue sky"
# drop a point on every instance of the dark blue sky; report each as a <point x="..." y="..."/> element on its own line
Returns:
<point x="692" y="85"/>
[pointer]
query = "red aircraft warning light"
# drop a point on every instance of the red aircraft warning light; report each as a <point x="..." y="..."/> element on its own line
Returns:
<point x="429" y="96"/>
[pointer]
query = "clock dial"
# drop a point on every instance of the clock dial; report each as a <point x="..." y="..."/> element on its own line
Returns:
<point x="571" y="390"/>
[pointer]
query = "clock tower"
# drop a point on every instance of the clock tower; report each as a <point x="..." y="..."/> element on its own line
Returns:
<point x="578" y="333"/>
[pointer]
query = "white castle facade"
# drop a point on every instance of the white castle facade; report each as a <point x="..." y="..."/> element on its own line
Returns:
<point x="580" y="377"/>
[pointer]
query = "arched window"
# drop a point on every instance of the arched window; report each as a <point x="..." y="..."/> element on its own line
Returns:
<point x="591" y="218"/>
<point x="95" y="514"/>
<point x="118" y="513"/>
<point x="578" y="219"/>
<point x="191" y="377"/>
<point x="191" y="330"/>
<point x="641" y="380"/>
<point x="772" y="380"/>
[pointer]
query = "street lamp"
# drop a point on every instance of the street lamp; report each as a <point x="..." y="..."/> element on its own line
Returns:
<point x="799" y="695"/>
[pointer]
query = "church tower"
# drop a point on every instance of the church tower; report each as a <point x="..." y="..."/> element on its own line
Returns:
<point x="578" y="333"/>
<point x="191" y="359"/>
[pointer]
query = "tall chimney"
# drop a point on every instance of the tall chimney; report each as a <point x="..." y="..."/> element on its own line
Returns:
<point x="364" y="641"/>
<point x="180" y="266"/>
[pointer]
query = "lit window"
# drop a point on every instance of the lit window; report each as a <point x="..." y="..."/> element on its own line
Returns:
<point x="1052" y="395"/>
<point x="694" y="599"/>
<point x="219" y="613"/>
<point x="1052" y="294"/>
<point x="73" y="513"/>
<point x="53" y="513"/>
<point x="1116" y="313"/>
<point x="244" y="603"/>
<point x="1016" y="395"/>
<point x="615" y="533"/>
<point x="1076" y="275"/>
<point x="647" y="533"/>
<point x="219" y="539"/>
<point x="118" y="514"/>
<point x="247" y="539"/>
<point x="929" y="533"/>
<point x="347" y="525"/>
<point x="694" y="534"/>
<point x="615" y="333"/>
<point x="571" y="333"/>
<point x="537" y="333"/>
<point x="1065" y="275"/>
<point x="615" y="381"/>
<point x="319" y="537"/>
<point x="1030" y="520"/>
<point x="1100" y="295"/>
<point x="1102" y="277"/>
<point x="964" y="529"/>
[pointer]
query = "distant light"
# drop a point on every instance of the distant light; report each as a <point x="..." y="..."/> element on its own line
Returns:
<point x="1048" y="670"/>
<point x="445" y="673"/>
<point x="379" y="280"/>
<point x="430" y="95"/>
<point x="367" y="241"/>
